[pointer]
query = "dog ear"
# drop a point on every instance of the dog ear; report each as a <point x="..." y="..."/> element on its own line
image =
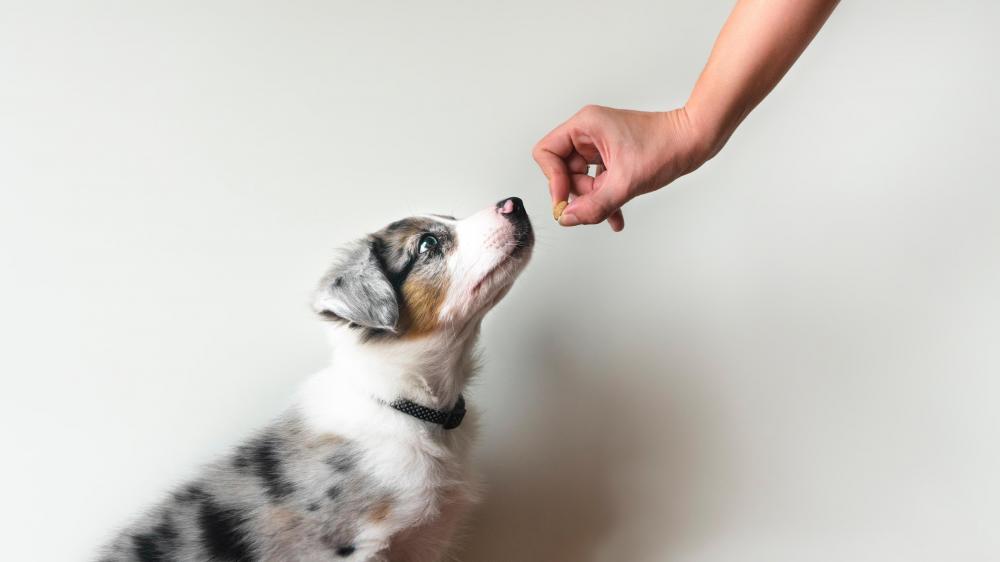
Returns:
<point x="358" y="291"/>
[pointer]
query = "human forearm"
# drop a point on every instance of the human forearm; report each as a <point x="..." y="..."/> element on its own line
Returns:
<point x="758" y="44"/>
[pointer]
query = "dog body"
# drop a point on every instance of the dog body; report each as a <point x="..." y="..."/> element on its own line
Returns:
<point x="354" y="471"/>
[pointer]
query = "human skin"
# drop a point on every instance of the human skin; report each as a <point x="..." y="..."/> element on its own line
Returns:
<point x="642" y="151"/>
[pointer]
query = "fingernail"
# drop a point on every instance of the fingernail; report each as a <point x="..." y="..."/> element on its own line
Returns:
<point x="568" y="219"/>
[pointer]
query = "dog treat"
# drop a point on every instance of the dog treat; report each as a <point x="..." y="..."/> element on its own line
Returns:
<point x="557" y="211"/>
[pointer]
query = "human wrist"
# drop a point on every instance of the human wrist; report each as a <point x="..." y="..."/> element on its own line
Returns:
<point x="709" y="128"/>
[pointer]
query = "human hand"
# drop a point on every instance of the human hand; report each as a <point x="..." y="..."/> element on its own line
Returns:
<point x="640" y="152"/>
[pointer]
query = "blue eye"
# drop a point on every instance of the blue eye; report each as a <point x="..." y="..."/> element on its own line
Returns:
<point x="428" y="242"/>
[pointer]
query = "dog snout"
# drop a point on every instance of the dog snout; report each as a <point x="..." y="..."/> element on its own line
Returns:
<point x="512" y="208"/>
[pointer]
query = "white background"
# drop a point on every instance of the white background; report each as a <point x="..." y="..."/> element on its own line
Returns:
<point x="791" y="354"/>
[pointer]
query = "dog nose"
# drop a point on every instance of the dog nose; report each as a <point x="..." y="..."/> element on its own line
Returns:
<point x="513" y="207"/>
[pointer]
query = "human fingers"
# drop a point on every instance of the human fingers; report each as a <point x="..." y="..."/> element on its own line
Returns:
<point x="593" y="204"/>
<point x="616" y="221"/>
<point x="550" y="153"/>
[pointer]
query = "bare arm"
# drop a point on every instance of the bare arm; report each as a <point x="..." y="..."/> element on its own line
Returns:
<point x="758" y="44"/>
<point x="644" y="151"/>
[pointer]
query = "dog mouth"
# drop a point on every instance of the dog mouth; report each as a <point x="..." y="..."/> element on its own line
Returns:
<point x="502" y="267"/>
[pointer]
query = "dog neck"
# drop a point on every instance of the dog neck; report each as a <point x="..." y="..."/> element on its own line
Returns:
<point x="431" y="370"/>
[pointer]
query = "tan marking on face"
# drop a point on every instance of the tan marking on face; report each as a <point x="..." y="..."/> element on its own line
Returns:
<point x="423" y="301"/>
<point x="380" y="511"/>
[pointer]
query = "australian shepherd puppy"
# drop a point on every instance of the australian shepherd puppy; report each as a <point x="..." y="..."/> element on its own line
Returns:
<point x="372" y="461"/>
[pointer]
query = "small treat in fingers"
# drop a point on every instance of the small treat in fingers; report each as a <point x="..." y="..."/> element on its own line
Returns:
<point x="557" y="211"/>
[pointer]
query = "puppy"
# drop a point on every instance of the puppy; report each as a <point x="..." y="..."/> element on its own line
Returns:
<point x="372" y="461"/>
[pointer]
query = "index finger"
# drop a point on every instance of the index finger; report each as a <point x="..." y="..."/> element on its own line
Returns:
<point x="550" y="153"/>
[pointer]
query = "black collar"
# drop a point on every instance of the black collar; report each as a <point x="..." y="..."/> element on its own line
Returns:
<point x="448" y="419"/>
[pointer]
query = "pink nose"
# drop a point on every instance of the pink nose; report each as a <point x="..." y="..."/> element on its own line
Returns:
<point x="511" y="206"/>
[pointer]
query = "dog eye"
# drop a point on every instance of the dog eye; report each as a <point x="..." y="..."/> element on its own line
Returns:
<point x="428" y="242"/>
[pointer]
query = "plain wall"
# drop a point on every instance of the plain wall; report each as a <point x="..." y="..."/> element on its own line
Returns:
<point x="791" y="354"/>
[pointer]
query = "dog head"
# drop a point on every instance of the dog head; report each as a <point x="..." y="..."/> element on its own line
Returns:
<point x="428" y="274"/>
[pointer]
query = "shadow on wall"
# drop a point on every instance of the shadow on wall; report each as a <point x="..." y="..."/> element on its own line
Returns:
<point x="613" y="458"/>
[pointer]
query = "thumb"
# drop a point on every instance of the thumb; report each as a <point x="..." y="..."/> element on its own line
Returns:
<point x="595" y="206"/>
